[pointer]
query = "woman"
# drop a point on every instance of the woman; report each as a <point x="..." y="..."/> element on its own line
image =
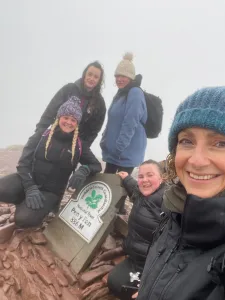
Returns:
<point x="146" y="194"/>
<point x="124" y="139"/>
<point x="42" y="176"/>
<point x="88" y="91"/>
<point x="187" y="260"/>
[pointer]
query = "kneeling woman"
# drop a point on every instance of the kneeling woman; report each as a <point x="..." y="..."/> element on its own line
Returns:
<point x="147" y="195"/>
<point x="42" y="175"/>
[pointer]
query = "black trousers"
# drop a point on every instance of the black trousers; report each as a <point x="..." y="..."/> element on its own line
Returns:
<point x="120" y="275"/>
<point x="112" y="169"/>
<point x="11" y="191"/>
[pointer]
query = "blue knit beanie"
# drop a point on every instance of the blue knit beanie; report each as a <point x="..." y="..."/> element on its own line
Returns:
<point x="205" y="108"/>
<point x="71" y="108"/>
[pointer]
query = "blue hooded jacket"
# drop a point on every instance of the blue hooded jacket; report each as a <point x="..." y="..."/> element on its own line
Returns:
<point x="124" y="139"/>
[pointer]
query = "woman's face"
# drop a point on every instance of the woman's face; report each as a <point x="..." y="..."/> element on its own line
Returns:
<point x="122" y="81"/>
<point x="92" y="78"/>
<point x="200" y="161"/>
<point x="149" y="179"/>
<point x="67" y="124"/>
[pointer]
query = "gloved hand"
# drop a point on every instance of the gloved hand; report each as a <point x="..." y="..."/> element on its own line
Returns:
<point x="79" y="177"/>
<point x="34" y="198"/>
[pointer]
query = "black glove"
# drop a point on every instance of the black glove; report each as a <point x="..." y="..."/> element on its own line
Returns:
<point x="79" y="177"/>
<point x="34" y="198"/>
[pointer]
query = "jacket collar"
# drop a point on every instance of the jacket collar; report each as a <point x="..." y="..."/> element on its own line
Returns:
<point x="203" y="222"/>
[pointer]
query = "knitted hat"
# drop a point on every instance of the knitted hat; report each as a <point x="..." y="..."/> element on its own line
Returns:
<point x="205" y="108"/>
<point x="71" y="108"/>
<point x="126" y="67"/>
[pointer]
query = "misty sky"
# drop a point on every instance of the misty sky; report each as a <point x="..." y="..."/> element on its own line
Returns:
<point x="179" y="46"/>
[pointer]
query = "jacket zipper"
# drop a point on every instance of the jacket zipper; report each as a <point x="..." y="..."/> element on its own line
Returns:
<point x="169" y="283"/>
<point x="165" y="264"/>
<point x="152" y="264"/>
<point x="62" y="152"/>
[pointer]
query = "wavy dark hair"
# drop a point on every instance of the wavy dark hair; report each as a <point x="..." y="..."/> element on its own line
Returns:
<point x="98" y="88"/>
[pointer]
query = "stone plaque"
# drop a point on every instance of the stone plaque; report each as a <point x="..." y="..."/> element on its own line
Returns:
<point x="82" y="226"/>
<point x="83" y="214"/>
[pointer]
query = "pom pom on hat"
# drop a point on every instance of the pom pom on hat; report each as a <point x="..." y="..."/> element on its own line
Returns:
<point x="126" y="67"/>
<point x="128" y="56"/>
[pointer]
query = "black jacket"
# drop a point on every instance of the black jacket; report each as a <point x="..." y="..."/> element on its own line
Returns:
<point x="143" y="220"/>
<point x="52" y="173"/>
<point x="178" y="266"/>
<point x="93" y="107"/>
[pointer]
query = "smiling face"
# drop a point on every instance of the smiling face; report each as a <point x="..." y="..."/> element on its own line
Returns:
<point x="149" y="179"/>
<point x="200" y="161"/>
<point x="67" y="124"/>
<point x="92" y="78"/>
<point x="122" y="81"/>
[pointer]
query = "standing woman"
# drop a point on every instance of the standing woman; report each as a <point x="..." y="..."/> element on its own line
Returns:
<point x="124" y="139"/>
<point x="87" y="90"/>
<point x="42" y="176"/>
<point x="187" y="260"/>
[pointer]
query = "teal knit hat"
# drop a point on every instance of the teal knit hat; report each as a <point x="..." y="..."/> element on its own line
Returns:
<point x="205" y="108"/>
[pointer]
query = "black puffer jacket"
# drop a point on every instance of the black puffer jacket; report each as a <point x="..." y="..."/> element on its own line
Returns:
<point x="179" y="263"/>
<point x="143" y="220"/>
<point x="52" y="173"/>
<point x="93" y="107"/>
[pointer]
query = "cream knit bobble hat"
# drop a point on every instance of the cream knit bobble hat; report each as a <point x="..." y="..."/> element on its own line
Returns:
<point x="126" y="67"/>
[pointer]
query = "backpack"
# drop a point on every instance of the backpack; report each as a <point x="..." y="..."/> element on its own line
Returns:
<point x="153" y="125"/>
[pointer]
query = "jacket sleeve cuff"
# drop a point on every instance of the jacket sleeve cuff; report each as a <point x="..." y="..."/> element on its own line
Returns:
<point x="130" y="184"/>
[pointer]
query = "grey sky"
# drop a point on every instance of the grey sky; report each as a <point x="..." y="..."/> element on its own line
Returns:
<point x="179" y="46"/>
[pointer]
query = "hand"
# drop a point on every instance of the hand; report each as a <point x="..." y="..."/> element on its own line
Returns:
<point x="34" y="198"/>
<point x="122" y="174"/>
<point x="135" y="295"/>
<point x="78" y="178"/>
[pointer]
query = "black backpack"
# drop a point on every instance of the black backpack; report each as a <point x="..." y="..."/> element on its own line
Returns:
<point x="153" y="125"/>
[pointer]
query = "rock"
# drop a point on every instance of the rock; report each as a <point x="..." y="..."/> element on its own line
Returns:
<point x="45" y="255"/>
<point x="92" y="288"/>
<point x="6" y="232"/>
<point x="24" y="250"/>
<point x="66" y="271"/>
<point x="6" y="264"/>
<point x="4" y="218"/>
<point x="42" y="274"/>
<point x="109" y="255"/>
<point x="12" y="219"/>
<point x="17" y="239"/>
<point x="90" y="276"/>
<point x="4" y="211"/>
<point x="67" y="295"/>
<point x="37" y="238"/>
<point x="101" y="263"/>
<point x="60" y="277"/>
<point x="109" y="243"/>
<point x="100" y="294"/>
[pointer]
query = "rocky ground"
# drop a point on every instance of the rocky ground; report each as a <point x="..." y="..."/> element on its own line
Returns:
<point x="30" y="271"/>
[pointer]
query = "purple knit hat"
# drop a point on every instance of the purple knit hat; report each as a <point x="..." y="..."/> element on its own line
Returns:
<point x="71" y="108"/>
